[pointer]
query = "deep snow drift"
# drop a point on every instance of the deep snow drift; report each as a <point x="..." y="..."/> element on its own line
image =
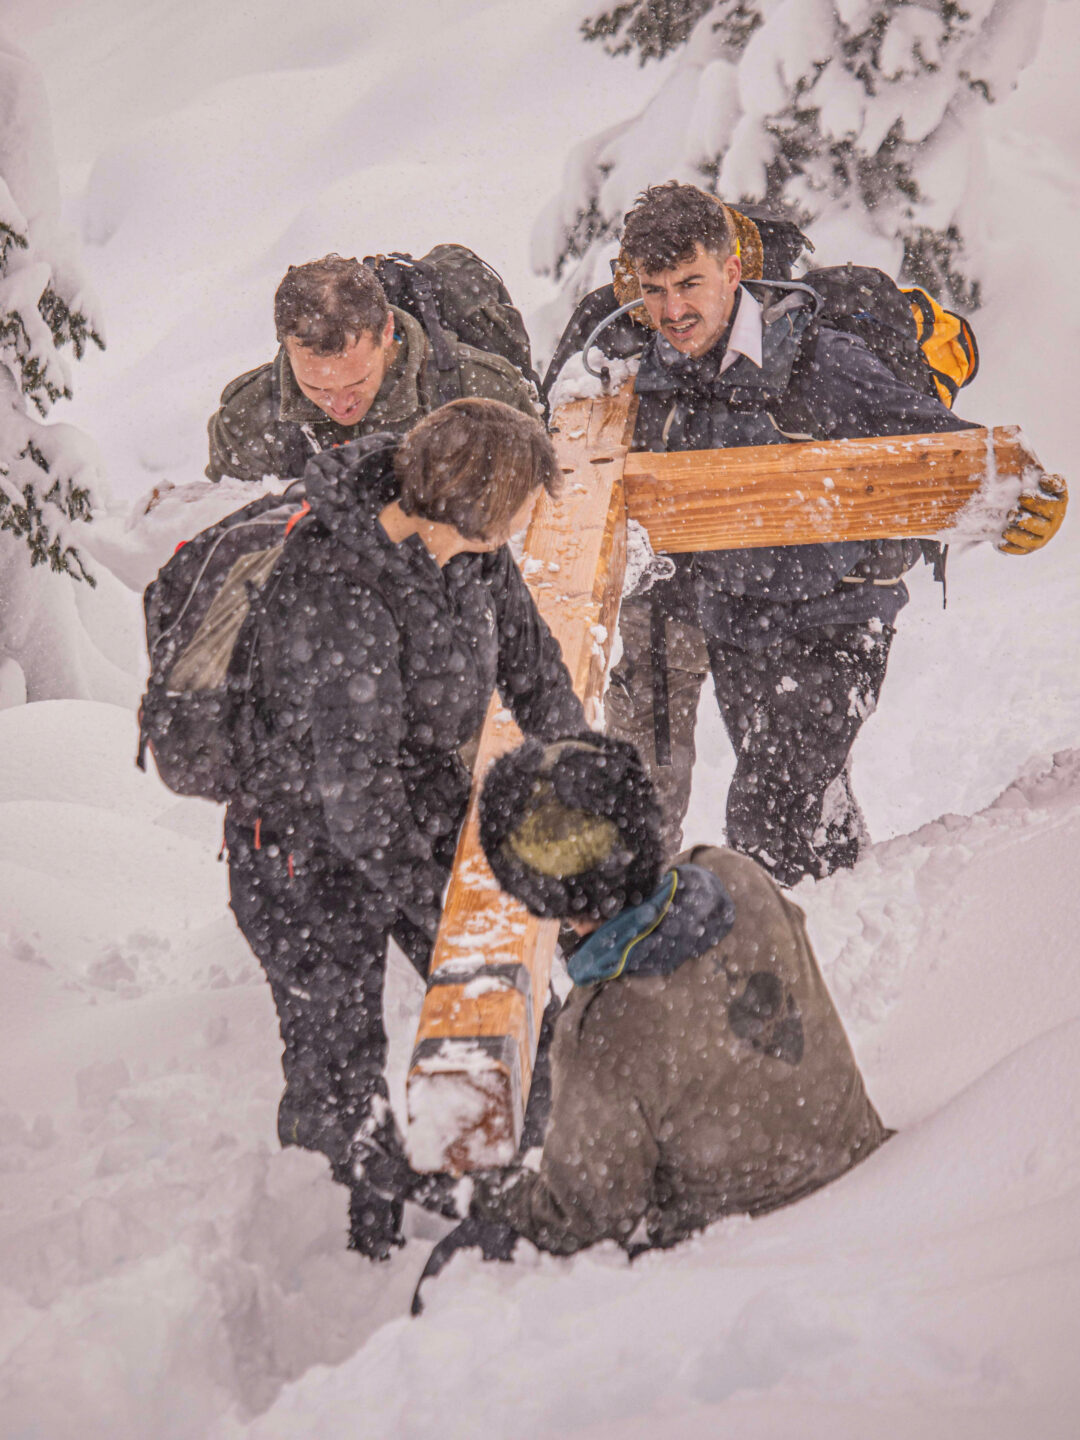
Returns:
<point x="166" y="1271"/>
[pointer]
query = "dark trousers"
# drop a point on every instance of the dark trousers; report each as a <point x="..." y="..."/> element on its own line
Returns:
<point x="792" y="712"/>
<point x="320" y="935"/>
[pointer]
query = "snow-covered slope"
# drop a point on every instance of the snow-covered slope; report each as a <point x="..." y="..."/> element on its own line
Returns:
<point x="167" y="1271"/>
<point x="154" y="1243"/>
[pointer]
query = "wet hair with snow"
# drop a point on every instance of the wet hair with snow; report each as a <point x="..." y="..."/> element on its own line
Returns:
<point x="472" y="464"/>
<point x="668" y="223"/>
<point x="328" y="304"/>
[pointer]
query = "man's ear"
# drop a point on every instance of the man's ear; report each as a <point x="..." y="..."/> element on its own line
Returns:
<point x="388" y="330"/>
<point x="733" y="270"/>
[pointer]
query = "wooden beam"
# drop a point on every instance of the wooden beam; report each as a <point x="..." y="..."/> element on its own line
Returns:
<point x="472" y="1065"/>
<point x="917" y="485"/>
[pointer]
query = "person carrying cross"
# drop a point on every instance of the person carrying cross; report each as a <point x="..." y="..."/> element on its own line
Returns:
<point x="796" y="637"/>
<point x="699" y="1066"/>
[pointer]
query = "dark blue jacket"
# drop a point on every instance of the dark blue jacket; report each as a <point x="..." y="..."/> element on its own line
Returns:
<point x="814" y="382"/>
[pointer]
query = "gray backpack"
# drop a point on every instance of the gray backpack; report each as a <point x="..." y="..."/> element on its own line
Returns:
<point x="200" y="633"/>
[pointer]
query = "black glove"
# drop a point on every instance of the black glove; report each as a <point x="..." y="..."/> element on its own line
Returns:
<point x="378" y="1161"/>
<point x="495" y="1241"/>
<point x="374" y="1222"/>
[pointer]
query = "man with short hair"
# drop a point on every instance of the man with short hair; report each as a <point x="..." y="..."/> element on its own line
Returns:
<point x="349" y="365"/>
<point x="699" y="1067"/>
<point x="796" y="637"/>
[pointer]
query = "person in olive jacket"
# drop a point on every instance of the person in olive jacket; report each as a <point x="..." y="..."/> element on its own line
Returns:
<point x="399" y="611"/>
<point x="350" y="365"/>
<point x="699" y="1067"/>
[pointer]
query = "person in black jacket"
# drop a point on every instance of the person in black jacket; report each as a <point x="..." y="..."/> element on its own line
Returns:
<point x="796" y="637"/>
<point x="399" y="612"/>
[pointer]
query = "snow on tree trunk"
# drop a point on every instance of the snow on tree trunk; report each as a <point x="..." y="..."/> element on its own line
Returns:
<point x="50" y="475"/>
<point x="862" y="119"/>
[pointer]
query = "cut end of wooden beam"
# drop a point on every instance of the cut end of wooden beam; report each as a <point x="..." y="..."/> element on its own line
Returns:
<point x="465" y="1104"/>
<point x="1011" y="468"/>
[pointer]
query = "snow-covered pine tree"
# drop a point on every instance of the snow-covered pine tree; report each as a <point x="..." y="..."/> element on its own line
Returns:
<point x="51" y="630"/>
<point x="651" y="27"/>
<point x="47" y="473"/>
<point x="861" y="119"/>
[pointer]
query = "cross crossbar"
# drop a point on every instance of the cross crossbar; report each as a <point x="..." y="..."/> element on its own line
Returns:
<point x="808" y="493"/>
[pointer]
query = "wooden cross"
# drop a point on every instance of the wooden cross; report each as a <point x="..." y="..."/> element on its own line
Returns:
<point x="472" y="1065"/>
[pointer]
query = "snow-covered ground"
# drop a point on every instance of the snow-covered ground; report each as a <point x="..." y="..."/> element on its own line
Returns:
<point x="165" y="1270"/>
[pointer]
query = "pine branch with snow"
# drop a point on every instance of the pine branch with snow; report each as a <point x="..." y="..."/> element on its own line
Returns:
<point x="48" y="473"/>
<point x="58" y="640"/>
<point x="651" y="27"/>
<point x="861" y="119"/>
<point x="655" y="27"/>
<point x="37" y="502"/>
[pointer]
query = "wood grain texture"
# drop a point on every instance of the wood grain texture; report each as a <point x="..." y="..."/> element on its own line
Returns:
<point x="912" y="485"/>
<point x="574" y="559"/>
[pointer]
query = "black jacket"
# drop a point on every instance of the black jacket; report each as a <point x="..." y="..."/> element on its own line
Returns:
<point x="373" y="668"/>
<point x="815" y="382"/>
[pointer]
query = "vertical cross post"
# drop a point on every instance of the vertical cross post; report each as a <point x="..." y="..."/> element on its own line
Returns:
<point x="472" y="1065"/>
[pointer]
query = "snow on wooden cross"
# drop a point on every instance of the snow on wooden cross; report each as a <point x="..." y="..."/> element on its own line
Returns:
<point x="472" y="1065"/>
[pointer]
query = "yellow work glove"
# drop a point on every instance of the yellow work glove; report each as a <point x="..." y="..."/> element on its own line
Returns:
<point x="1037" y="518"/>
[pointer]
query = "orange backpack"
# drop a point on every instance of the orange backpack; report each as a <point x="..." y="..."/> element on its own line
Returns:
<point x="948" y="343"/>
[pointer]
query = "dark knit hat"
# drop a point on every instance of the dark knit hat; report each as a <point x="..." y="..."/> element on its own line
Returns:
<point x="572" y="829"/>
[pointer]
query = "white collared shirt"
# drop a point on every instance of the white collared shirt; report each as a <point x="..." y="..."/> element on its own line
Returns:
<point x="745" y="337"/>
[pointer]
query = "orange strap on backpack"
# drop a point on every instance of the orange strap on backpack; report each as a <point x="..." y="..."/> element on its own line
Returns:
<point x="305" y="509"/>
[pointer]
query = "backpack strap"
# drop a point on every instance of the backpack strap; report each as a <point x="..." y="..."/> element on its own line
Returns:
<point x="937" y="555"/>
<point x="789" y="416"/>
<point x="421" y="285"/>
<point x="410" y="285"/>
<point x="658" y="666"/>
<point x="437" y="387"/>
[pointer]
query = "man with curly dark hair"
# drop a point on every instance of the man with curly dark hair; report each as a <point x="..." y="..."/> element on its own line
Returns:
<point x="796" y="637"/>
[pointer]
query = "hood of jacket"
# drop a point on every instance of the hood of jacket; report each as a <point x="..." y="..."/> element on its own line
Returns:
<point x="347" y="488"/>
<point x="690" y="912"/>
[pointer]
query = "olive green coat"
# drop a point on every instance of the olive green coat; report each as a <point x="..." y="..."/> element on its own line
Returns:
<point x="661" y="1113"/>
<point x="267" y="426"/>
